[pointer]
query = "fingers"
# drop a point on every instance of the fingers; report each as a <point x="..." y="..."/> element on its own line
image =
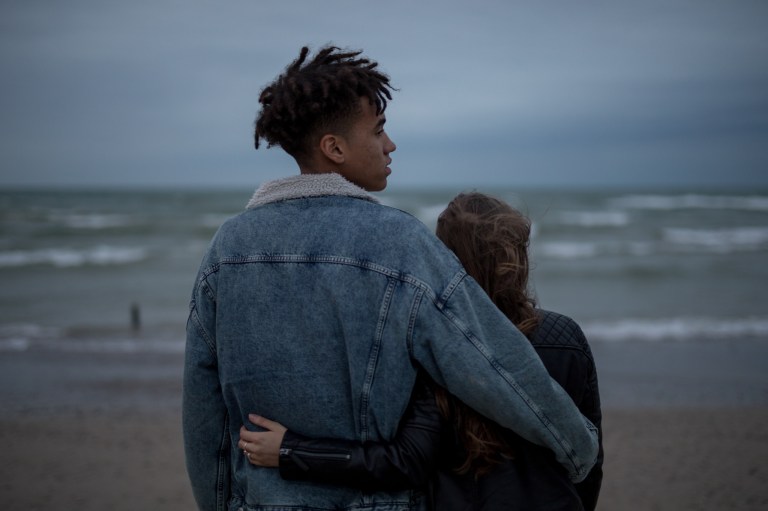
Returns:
<point x="266" y="423"/>
<point x="252" y="458"/>
<point x="251" y="451"/>
<point x="243" y="443"/>
<point x="262" y="448"/>
<point x="260" y="455"/>
<point x="249" y="436"/>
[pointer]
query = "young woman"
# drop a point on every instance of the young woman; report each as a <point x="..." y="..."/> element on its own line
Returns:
<point x="468" y="461"/>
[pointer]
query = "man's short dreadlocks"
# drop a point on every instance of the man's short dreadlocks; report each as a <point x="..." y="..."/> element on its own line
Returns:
<point x="319" y="95"/>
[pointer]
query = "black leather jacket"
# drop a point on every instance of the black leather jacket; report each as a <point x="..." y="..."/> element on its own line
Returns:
<point x="426" y="448"/>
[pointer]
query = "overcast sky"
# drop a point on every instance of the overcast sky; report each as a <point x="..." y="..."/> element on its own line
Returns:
<point x="559" y="93"/>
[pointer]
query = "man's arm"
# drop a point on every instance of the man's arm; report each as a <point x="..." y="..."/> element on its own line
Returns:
<point x="204" y="415"/>
<point x="469" y="347"/>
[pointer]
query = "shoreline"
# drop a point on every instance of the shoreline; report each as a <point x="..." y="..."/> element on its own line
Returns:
<point x="685" y="425"/>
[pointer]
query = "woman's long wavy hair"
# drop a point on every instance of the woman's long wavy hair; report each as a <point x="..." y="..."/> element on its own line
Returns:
<point x="491" y="240"/>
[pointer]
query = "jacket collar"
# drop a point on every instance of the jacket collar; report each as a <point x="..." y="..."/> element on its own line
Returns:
<point x="306" y="185"/>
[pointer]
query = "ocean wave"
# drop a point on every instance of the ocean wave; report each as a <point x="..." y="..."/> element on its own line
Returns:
<point x="214" y="220"/>
<point x="566" y="249"/>
<point x="674" y="241"/>
<point x="613" y="218"/>
<point x="21" y="336"/>
<point x="25" y="337"/>
<point x="691" y="201"/>
<point x="94" y="221"/>
<point x="101" y="255"/>
<point x="719" y="240"/>
<point x="682" y="329"/>
<point x="429" y="214"/>
<point x="92" y="346"/>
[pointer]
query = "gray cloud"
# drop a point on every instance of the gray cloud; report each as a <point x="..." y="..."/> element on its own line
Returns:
<point x="143" y="93"/>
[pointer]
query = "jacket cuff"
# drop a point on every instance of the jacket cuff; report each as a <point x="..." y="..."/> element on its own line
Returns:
<point x="303" y="458"/>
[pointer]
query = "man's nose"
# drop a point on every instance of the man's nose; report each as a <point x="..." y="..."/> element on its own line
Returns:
<point x="391" y="147"/>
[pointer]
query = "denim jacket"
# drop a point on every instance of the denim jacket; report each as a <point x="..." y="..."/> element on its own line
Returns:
<point x="428" y="448"/>
<point x="316" y="307"/>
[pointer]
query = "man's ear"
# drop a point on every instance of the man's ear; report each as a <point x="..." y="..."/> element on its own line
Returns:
<point x="332" y="147"/>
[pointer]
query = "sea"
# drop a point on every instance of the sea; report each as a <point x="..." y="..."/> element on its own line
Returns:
<point x="112" y="270"/>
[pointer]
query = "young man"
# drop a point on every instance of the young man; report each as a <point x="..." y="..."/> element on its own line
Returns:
<point x="317" y="307"/>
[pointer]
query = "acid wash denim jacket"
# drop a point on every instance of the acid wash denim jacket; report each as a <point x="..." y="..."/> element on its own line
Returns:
<point x="317" y="307"/>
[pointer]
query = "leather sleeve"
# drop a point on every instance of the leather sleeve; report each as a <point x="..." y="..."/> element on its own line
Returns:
<point x="408" y="461"/>
<point x="589" y="488"/>
<point x="566" y="354"/>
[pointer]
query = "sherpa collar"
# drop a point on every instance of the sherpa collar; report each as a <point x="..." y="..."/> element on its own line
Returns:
<point x="306" y="185"/>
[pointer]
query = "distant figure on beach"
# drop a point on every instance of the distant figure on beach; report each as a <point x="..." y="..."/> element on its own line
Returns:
<point x="318" y="307"/>
<point x="135" y="317"/>
<point x="479" y="465"/>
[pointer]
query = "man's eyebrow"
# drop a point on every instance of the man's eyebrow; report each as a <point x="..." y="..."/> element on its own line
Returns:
<point x="381" y="122"/>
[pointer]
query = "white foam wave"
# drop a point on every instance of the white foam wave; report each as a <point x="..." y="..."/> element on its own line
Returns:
<point x="14" y="344"/>
<point x="126" y="345"/>
<point x="682" y="329"/>
<point x="692" y="201"/>
<point x="566" y="249"/>
<point x="595" y="218"/>
<point x="101" y="255"/>
<point x="18" y="344"/>
<point x="213" y="220"/>
<point x="720" y="240"/>
<point x="20" y="336"/>
<point x="24" y="337"/>
<point x="94" y="221"/>
<point x="586" y="249"/>
<point x="674" y="240"/>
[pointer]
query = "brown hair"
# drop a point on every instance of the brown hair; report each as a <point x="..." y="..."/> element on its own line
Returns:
<point x="491" y="240"/>
<point x="317" y="95"/>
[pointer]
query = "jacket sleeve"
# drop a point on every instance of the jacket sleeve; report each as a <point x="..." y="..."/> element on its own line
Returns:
<point x="469" y="347"/>
<point x="566" y="354"/>
<point x="589" y="488"/>
<point x="407" y="461"/>
<point x="204" y="414"/>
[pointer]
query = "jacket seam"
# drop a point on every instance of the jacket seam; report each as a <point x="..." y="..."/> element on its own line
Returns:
<point x="373" y="358"/>
<point x="457" y="279"/>
<point x="328" y="259"/>
<point x="222" y="479"/>
<point x="415" y="307"/>
<point x="195" y="319"/>
<point x="203" y="280"/>
<point x="202" y="285"/>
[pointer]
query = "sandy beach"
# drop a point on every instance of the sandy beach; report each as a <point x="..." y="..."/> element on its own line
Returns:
<point x="686" y="428"/>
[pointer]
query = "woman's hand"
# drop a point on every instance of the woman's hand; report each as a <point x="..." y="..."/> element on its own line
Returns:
<point x="262" y="448"/>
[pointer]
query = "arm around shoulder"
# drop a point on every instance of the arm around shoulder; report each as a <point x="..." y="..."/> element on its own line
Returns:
<point x="469" y="347"/>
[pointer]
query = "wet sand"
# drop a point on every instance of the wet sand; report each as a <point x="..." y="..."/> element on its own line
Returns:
<point x="686" y="428"/>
